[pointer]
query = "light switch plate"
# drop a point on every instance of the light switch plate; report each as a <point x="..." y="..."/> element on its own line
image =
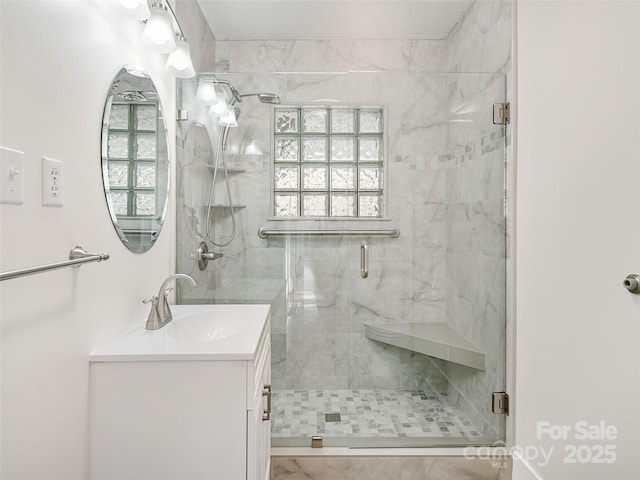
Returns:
<point x="52" y="182"/>
<point x="11" y="176"/>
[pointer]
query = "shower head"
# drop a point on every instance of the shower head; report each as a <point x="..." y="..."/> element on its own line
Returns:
<point x="271" y="98"/>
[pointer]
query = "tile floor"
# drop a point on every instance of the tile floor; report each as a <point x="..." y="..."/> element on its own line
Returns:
<point x="367" y="413"/>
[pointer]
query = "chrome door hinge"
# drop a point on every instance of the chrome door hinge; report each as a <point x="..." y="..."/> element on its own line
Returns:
<point x="500" y="403"/>
<point x="501" y="113"/>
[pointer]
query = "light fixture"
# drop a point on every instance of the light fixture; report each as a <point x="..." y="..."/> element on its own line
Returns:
<point x="158" y="31"/>
<point x="179" y="62"/>
<point x="206" y="93"/>
<point x="136" y="9"/>
<point x="161" y="35"/>
<point x="221" y="107"/>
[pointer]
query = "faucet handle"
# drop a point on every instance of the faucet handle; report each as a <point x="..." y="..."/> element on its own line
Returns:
<point x="153" y="301"/>
<point x="167" y="291"/>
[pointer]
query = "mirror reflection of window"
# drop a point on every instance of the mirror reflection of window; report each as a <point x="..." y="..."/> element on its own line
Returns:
<point x="135" y="159"/>
<point x="132" y="150"/>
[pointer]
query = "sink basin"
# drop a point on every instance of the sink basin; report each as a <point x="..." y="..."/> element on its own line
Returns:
<point x="206" y="326"/>
<point x="197" y="332"/>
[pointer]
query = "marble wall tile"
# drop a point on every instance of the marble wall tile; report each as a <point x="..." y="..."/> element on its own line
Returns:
<point x="197" y="32"/>
<point x="466" y="386"/>
<point x="265" y="56"/>
<point x="428" y="186"/>
<point x="384" y="55"/>
<point x="481" y="41"/>
<point x="331" y="56"/>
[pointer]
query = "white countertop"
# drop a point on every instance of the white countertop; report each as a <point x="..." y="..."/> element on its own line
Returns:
<point x="138" y="344"/>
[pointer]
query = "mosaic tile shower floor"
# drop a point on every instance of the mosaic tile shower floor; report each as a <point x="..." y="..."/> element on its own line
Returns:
<point x="367" y="413"/>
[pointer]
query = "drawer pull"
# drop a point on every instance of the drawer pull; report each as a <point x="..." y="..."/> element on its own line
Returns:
<point x="266" y="392"/>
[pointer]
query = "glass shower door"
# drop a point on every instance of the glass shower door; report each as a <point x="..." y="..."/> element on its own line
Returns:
<point x="427" y="324"/>
<point x="310" y="343"/>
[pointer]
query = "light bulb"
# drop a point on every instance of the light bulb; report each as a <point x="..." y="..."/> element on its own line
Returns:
<point x="220" y="108"/>
<point x="158" y="32"/>
<point x="206" y="93"/>
<point x="136" y="9"/>
<point x="179" y="62"/>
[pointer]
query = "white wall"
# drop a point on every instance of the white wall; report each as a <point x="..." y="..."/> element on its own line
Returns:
<point x="58" y="60"/>
<point x="578" y="184"/>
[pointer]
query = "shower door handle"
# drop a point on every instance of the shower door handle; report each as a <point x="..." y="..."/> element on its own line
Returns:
<point x="364" y="259"/>
<point x="266" y="413"/>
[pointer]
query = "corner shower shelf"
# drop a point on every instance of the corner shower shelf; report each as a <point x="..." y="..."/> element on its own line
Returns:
<point x="434" y="339"/>
<point x="229" y="169"/>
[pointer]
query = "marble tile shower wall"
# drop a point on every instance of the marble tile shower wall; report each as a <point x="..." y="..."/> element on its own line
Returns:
<point x="331" y="56"/>
<point x="320" y="302"/>
<point x="193" y="148"/>
<point x="450" y="222"/>
<point x="197" y="32"/>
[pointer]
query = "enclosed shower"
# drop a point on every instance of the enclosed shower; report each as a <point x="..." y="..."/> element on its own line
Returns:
<point x="370" y="208"/>
<point x="399" y="175"/>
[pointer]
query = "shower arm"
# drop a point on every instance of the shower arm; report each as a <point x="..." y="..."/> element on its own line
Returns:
<point x="235" y="94"/>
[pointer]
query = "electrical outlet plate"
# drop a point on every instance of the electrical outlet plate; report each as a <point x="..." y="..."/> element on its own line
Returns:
<point x="11" y="176"/>
<point x="51" y="182"/>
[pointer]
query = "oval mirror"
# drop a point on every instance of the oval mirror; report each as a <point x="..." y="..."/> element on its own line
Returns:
<point x="135" y="159"/>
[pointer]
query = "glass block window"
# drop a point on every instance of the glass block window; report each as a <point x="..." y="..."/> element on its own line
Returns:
<point x="132" y="148"/>
<point x="328" y="162"/>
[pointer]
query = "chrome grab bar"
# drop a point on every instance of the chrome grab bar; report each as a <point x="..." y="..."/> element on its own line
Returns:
<point x="265" y="233"/>
<point x="77" y="257"/>
<point x="364" y="259"/>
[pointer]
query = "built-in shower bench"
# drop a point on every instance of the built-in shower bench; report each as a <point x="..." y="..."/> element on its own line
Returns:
<point x="434" y="339"/>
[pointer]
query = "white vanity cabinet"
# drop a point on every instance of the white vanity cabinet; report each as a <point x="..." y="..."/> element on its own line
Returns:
<point x="195" y="415"/>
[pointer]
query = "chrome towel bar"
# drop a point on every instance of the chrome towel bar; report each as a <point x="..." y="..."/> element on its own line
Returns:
<point x="77" y="256"/>
<point x="393" y="233"/>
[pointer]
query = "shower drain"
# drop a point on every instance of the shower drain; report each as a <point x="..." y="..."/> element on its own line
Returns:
<point x="332" y="417"/>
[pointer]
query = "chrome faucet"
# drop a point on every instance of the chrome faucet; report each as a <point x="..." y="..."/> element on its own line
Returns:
<point x="160" y="313"/>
